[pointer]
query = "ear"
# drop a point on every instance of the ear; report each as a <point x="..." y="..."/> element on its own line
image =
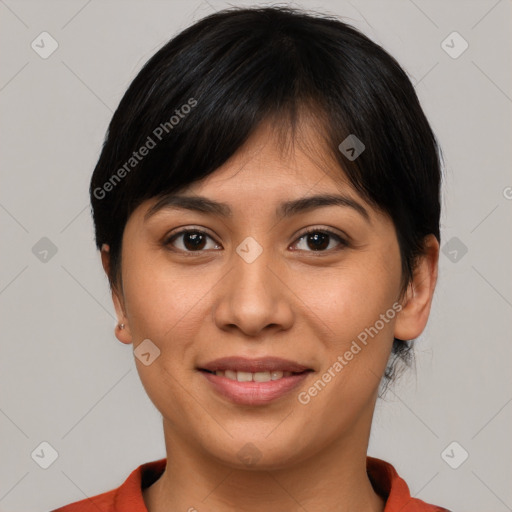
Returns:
<point x="412" y="319"/>
<point x="123" y="335"/>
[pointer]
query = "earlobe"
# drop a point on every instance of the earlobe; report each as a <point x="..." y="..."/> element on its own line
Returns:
<point x="123" y="334"/>
<point x="413" y="317"/>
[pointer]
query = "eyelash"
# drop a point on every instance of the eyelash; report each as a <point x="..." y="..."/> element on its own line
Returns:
<point x="342" y="242"/>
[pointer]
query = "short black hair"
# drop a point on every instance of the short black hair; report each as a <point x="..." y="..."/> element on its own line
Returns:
<point x="199" y="98"/>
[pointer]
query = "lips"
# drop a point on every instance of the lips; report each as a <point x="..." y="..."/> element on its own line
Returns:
<point x="254" y="381"/>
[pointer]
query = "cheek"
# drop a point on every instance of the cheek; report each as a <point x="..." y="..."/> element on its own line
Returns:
<point x="355" y="310"/>
<point x="163" y="305"/>
<point x="349" y="299"/>
<point x="354" y="318"/>
<point x="166" y="307"/>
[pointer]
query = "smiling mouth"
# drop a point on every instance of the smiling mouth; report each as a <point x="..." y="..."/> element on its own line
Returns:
<point x="253" y="381"/>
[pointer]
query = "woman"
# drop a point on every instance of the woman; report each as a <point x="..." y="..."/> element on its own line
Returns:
<point x="267" y="208"/>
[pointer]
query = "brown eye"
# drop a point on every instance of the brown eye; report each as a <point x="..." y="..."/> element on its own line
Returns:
<point x="320" y="241"/>
<point x="190" y="241"/>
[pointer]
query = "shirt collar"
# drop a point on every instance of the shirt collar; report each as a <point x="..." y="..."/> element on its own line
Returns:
<point x="383" y="476"/>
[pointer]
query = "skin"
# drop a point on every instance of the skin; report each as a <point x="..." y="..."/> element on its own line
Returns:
<point x="291" y="302"/>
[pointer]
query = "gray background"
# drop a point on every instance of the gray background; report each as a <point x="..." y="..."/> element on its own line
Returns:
<point x="64" y="377"/>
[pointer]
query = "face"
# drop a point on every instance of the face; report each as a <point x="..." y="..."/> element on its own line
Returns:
<point x="274" y="319"/>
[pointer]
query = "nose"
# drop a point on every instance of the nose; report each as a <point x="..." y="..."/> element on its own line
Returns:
<point x="253" y="298"/>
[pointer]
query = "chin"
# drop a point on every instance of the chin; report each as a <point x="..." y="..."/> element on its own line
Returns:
<point x="257" y="452"/>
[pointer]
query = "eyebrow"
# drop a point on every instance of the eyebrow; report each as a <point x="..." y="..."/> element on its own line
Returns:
<point x="287" y="209"/>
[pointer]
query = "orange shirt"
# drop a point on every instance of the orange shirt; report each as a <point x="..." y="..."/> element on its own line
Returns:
<point x="128" y="497"/>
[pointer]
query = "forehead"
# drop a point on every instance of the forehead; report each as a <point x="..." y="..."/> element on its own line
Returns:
<point x="273" y="173"/>
<point x="265" y="177"/>
<point x="272" y="159"/>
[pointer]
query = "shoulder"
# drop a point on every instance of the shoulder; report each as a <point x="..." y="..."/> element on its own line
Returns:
<point x="393" y="488"/>
<point x="125" y="498"/>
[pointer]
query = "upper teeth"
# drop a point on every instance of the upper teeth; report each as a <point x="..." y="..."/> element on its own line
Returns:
<point x="256" y="377"/>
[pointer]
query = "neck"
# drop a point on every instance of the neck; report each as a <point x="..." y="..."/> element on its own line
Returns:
<point x="334" y="479"/>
